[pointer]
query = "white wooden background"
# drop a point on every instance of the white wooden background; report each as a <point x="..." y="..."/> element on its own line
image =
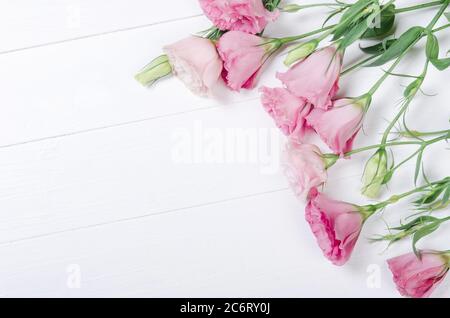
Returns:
<point x="89" y="187"/>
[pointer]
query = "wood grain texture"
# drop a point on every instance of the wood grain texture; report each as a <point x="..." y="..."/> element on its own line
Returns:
<point x="25" y="24"/>
<point x="157" y="192"/>
<point x="255" y="247"/>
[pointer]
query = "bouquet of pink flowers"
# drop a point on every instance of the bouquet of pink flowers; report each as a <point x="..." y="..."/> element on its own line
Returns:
<point x="235" y="49"/>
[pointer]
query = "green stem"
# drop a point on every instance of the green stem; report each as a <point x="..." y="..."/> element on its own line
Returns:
<point x="425" y="143"/>
<point x="419" y="6"/>
<point x="429" y="27"/>
<point x="344" y="5"/>
<point x="388" y="144"/>
<point x="445" y="26"/>
<point x="444" y="219"/>
<point x="359" y="64"/>
<point x="348" y="19"/>
<point x="370" y="58"/>
<point x="386" y="74"/>
<point x="438" y="15"/>
<point x="371" y="209"/>
<point x="410" y="98"/>
<point x="395" y="198"/>
<point x="414" y="134"/>
<point x="328" y="30"/>
<point x="404" y="108"/>
<point x="395" y="120"/>
<point x="290" y="39"/>
<point x="306" y="6"/>
<point x="407" y="159"/>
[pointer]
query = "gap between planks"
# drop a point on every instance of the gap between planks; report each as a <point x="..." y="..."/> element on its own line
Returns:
<point x="144" y="216"/>
<point x="122" y="124"/>
<point x="93" y="35"/>
<point x="160" y="213"/>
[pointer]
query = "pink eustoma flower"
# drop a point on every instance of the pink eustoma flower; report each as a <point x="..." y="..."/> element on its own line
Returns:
<point x="335" y="224"/>
<point x="248" y="16"/>
<point x="416" y="277"/>
<point x="304" y="166"/>
<point x="338" y="126"/>
<point x="287" y="110"/>
<point x="196" y="63"/>
<point x="316" y="78"/>
<point x="243" y="56"/>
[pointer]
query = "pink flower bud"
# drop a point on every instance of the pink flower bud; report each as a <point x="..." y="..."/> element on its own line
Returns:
<point x="315" y="78"/>
<point x="287" y="110"/>
<point x="416" y="277"/>
<point x="196" y="63"/>
<point x="304" y="167"/>
<point x="335" y="224"/>
<point x="243" y="56"/>
<point x="248" y="16"/>
<point x="338" y="126"/>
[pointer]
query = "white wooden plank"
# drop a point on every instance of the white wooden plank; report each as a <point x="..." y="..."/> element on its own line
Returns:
<point x="254" y="247"/>
<point x="87" y="84"/>
<point x="91" y="178"/>
<point x="25" y="23"/>
<point x="91" y="196"/>
<point x="140" y="169"/>
<point x="155" y="167"/>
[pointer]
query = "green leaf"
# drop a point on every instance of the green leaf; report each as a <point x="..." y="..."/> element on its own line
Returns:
<point x="432" y="48"/>
<point x="350" y="17"/>
<point x="332" y="14"/>
<point x="401" y="45"/>
<point x="387" y="21"/>
<point x="446" y="196"/>
<point x="379" y="48"/>
<point x="418" y="165"/>
<point x="422" y="232"/>
<point x="355" y="8"/>
<point x="434" y="194"/>
<point x="441" y="64"/>
<point x="354" y="34"/>
<point x="420" y="220"/>
<point x="271" y="5"/>
<point x="447" y="15"/>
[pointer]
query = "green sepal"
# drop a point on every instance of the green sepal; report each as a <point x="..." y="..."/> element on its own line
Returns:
<point x="399" y="46"/>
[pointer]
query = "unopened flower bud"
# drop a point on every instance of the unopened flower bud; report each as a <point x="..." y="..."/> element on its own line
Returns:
<point x="155" y="70"/>
<point x="291" y="8"/>
<point x="375" y="173"/>
<point x="412" y="88"/>
<point x="300" y="52"/>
